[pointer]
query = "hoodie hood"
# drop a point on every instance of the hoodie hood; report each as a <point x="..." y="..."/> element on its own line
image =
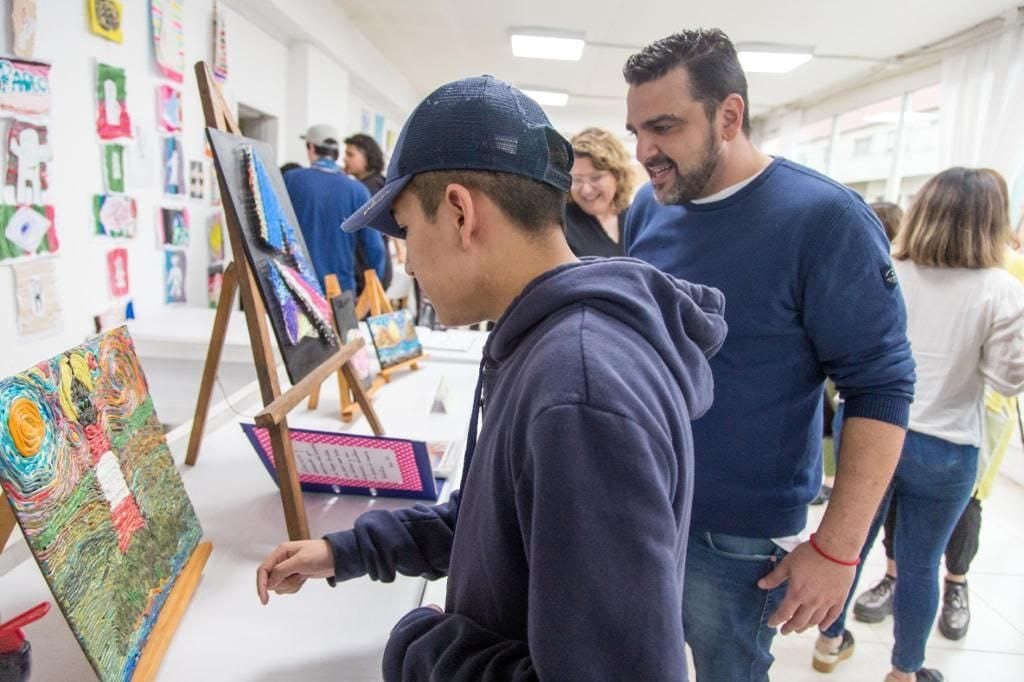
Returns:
<point x="683" y="322"/>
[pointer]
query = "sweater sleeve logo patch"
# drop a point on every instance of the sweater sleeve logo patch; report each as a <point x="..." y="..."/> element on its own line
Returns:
<point x="889" y="276"/>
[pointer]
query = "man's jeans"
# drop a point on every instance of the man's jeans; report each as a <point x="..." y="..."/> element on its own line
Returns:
<point x="724" y="611"/>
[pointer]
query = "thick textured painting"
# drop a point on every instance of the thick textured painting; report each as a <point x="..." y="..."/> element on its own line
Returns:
<point x="85" y="466"/>
<point x="394" y="337"/>
<point x="300" y="314"/>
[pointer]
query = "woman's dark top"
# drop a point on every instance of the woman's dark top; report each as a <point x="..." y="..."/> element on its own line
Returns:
<point x="586" y="237"/>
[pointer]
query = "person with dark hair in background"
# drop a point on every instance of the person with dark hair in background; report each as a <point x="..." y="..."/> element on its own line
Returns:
<point x="323" y="198"/>
<point x="579" y="481"/>
<point x="364" y="160"/>
<point x="602" y="186"/>
<point x="890" y="215"/>
<point x="805" y="269"/>
<point x="290" y="166"/>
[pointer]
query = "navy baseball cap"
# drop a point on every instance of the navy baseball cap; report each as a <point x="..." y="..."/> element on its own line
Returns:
<point x="477" y="123"/>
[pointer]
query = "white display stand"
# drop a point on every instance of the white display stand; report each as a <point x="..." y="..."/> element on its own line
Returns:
<point x="332" y="634"/>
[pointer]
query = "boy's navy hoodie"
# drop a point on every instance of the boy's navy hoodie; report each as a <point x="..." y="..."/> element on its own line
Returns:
<point x="565" y="547"/>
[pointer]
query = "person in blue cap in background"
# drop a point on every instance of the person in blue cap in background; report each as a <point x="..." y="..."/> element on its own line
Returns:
<point x="564" y="547"/>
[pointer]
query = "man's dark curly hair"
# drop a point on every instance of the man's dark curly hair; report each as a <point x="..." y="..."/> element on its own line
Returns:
<point x="710" y="60"/>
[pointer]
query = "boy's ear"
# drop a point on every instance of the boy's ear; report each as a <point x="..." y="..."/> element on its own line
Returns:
<point x="464" y="211"/>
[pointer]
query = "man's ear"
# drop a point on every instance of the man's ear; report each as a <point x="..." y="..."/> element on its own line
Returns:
<point x="464" y="211"/>
<point x="730" y="113"/>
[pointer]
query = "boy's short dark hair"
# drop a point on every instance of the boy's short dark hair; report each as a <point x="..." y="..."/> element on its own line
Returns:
<point x="329" y="151"/>
<point x="371" y="150"/>
<point x="530" y="204"/>
<point x="710" y="60"/>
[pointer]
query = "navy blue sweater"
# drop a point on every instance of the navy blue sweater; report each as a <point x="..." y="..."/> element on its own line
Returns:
<point x="805" y="267"/>
<point x="566" y="545"/>
<point x="323" y="198"/>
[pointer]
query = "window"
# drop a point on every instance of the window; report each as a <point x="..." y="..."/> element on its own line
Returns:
<point x="862" y="146"/>
<point x="812" y="144"/>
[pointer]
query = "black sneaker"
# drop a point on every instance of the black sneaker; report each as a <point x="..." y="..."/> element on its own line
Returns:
<point x="875" y="605"/>
<point x="956" y="611"/>
<point x="824" y="493"/>
<point x="826" y="661"/>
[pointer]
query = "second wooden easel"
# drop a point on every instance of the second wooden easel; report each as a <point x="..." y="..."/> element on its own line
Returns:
<point x="349" y="406"/>
<point x="238" y="275"/>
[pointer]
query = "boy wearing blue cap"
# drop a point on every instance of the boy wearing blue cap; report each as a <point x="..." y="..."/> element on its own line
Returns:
<point x="564" y="548"/>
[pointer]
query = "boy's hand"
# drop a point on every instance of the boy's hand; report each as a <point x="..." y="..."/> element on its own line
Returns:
<point x="288" y="566"/>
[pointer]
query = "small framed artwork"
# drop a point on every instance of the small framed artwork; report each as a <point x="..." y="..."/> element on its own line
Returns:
<point x="394" y="337"/>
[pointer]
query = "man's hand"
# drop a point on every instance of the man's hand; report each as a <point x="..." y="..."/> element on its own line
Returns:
<point x="816" y="592"/>
<point x="288" y="566"/>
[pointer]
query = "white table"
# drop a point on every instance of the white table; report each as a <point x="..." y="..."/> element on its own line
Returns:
<point x="319" y="633"/>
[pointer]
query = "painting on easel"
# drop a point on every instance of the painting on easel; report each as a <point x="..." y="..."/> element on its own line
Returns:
<point x="300" y="314"/>
<point x="394" y="337"/>
<point x="86" y="469"/>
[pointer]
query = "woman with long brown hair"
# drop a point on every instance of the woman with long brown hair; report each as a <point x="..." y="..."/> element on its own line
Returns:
<point x="965" y="322"/>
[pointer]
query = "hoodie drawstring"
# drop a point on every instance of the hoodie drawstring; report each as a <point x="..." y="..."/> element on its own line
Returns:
<point x="473" y="424"/>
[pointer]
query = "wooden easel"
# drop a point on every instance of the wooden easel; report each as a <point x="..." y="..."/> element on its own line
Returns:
<point x="349" y="406"/>
<point x="7" y="522"/>
<point x="277" y="403"/>
<point x="374" y="301"/>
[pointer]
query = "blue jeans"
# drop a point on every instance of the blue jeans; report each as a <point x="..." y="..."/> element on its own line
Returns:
<point x="724" y="611"/>
<point x="932" y="485"/>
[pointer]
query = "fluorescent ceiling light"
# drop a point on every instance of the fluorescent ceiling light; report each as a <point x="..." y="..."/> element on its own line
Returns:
<point x="535" y="43"/>
<point x="547" y="98"/>
<point x="767" y="58"/>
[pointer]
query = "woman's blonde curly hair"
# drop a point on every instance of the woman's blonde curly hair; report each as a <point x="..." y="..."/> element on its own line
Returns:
<point x="607" y="154"/>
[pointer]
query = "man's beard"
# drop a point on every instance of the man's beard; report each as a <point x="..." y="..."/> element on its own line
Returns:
<point x="691" y="184"/>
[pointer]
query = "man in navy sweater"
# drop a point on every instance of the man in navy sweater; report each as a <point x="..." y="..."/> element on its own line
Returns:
<point x="565" y="546"/>
<point x="805" y="267"/>
<point x="323" y="197"/>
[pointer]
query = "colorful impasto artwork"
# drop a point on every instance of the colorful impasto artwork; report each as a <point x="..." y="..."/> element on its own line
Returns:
<point x="86" y="469"/>
<point x="299" y="312"/>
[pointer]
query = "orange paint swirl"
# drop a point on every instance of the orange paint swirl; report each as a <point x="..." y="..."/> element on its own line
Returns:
<point x="26" y="427"/>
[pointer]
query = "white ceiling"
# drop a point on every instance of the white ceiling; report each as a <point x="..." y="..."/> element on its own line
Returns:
<point x="435" y="41"/>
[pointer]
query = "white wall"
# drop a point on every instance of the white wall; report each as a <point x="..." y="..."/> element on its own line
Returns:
<point x="293" y="61"/>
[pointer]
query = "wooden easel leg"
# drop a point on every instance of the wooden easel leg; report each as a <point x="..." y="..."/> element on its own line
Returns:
<point x="314" y="399"/>
<point x="7" y="522"/>
<point x="343" y="394"/>
<point x="365" y="404"/>
<point x="288" y="482"/>
<point x="220" y="328"/>
<point x="170" y="615"/>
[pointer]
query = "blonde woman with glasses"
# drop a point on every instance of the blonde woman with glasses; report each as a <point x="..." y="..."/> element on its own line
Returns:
<point x="965" y="322"/>
<point x="602" y="187"/>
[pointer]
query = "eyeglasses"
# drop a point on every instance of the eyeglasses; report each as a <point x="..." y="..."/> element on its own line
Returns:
<point x="580" y="180"/>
